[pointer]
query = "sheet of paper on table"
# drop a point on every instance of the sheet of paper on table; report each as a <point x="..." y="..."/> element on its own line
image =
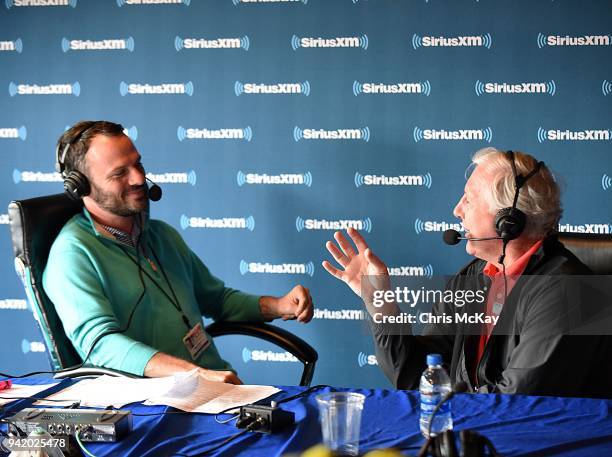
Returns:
<point x="22" y="390"/>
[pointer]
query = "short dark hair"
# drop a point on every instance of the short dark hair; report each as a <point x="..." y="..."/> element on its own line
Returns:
<point x="79" y="137"/>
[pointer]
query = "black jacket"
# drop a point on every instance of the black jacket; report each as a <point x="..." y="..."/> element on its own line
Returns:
<point x="530" y="350"/>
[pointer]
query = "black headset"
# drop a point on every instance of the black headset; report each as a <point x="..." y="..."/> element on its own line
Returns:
<point x="76" y="183"/>
<point x="510" y="222"/>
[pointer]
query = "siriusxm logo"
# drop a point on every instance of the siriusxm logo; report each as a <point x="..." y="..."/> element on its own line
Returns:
<point x="16" y="45"/>
<point x="266" y="356"/>
<point x="573" y="135"/>
<point x="120" y="3"/>
<point x="155" y="89"/>
<point x="8" y="132"/>
<point x="338" y="134"/>
<point x="399" y="88"/>
<point x="606" y="182"/>
<point x="285" y="88"/>
<point x="548" y="87"/>
<point x="220" y="134"/>
<point x="237" y="2"/>
<point x="404" y="270"/>
<point x="484" y="41"/>
<point x="324" y="224"/>
<point x="32" y="346"/>
<point x="35" y="176"/>
<point x="281" y="268"/>
<point x="174" y="178"/>
<point x="582" y="40"/>
<point x="49" y="89"/>
<point x="247" y="223"/>
<point x="369" y="360"/>
<point x="606" y="87"/>
<point x="485" y="134"/>
<point x="433" y="226"/>
<point x="586" y="228"/>
<point x="99" y="45"/>
<point x="339" y="314"/>
<point x="216" y="43"/>
<point x="13" y="304"/>
<point x="282" y="179"/>
<point x="401" y="180"/>
<point x="338" y="42"/>
<point x="10" y="3"/>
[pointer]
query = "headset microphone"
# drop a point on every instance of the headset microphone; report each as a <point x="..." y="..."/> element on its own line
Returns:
<point x="154" y="192"/>
<point x="453" y="237"/>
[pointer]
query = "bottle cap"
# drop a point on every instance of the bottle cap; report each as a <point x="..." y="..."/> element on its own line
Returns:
<point x="434" y="359"/>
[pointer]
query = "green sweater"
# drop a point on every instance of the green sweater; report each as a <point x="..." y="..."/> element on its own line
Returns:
<point x="95" y="286"/>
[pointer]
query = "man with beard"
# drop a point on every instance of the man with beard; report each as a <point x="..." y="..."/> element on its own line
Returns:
<point x="129" y="287"/>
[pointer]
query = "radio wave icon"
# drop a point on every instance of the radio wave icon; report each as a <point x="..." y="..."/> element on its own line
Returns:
<point x="25" y="346"/>
<point x="310" y="269"/>
<point x="186" y="2"/>
<point x="76" y="89"/>
<point x="120" y="3"/>
<point x="307" y="179"/>
<point x="235" y="2"/>
<point x="606" y="87"/>
<point x="362" y="359"/>
<point x="16" y="176"/>
<point x="357" y="88"/>
<point x="295" y="42"/>
<point x="417" y="41"/>
<point x="8" y="4"/>
<point x="246" y="353"/>
<point x="244" y="267"/>
<point x="181" y="133"/>
<point x="65" y="45"/>
<point x="184" y="221"/>
<point x="12" y="89"/>
<point x="298" y="134"/>
<point x="18" y="45"/>
<point x="250" y="223"/>
<point x="23" y="133"/>
<point x="73" y="3"/>
<point x="479" y="87"/>
<point x="240" y="178"/>
<point x="551" y="87"/>
<point x="247" y="132"/>
<point x="178" y="43"/>
<point x="487" y="40"/>
<point x="358" y="179"/>
<point x="417" y="134"/>
<point x="305" y="86"/>
<point x="419" y="227"/>
<point x="299" y="224"/>
<point x="606" y="182"/>
<point x="541" y="135"/>
<point x="192" y="178"/>
<point x="426" y="88"/>
<point x="189" y="88"/>
<point x="488" y="134"/>
<point x="541" y="40"/>
<point x="363" y="41"/>
<point x="427" y="180"/>
<point x="367" y="224"/>
<point x="132" y="132"/>
<point x="129" y="44"/>
<point x="245" y="43"/>
<point x="238" y="88"/>
<point x="365" y="134"/>
<point x="123" y="88"/>
<point x="428" y="271"/>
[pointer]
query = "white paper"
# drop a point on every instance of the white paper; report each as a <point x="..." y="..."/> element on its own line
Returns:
<point x="22" y="390"/>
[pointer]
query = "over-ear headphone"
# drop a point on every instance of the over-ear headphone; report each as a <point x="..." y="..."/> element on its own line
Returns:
<point x="76" y="183"/>
<point x="510" y="222"/>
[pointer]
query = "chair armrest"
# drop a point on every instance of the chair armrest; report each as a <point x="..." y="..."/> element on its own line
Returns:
<point x="291" y="343"/>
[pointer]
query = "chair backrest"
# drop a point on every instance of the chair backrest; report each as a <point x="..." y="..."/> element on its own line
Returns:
<point x="34" y="224"/>
<point x="594" y="250"/>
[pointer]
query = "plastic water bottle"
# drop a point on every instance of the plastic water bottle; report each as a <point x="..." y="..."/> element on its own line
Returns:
<point x="435" y="384"/>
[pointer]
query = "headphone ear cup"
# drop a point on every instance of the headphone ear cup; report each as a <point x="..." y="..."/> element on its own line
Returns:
<point x="510" y="223"/>
<point x="76" y="185"/>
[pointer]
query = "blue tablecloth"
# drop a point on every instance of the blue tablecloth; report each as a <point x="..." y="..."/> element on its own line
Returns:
<point x="516" y="424"/>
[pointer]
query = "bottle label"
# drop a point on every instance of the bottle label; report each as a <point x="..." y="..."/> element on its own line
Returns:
<point x="429" y="402"/>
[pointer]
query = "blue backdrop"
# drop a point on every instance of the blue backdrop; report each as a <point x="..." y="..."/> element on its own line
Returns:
<point x="271" y="123"/>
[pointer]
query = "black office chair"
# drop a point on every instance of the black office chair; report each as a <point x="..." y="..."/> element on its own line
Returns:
<point x="594" y="250"/>
<point x="35" y="223"/>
